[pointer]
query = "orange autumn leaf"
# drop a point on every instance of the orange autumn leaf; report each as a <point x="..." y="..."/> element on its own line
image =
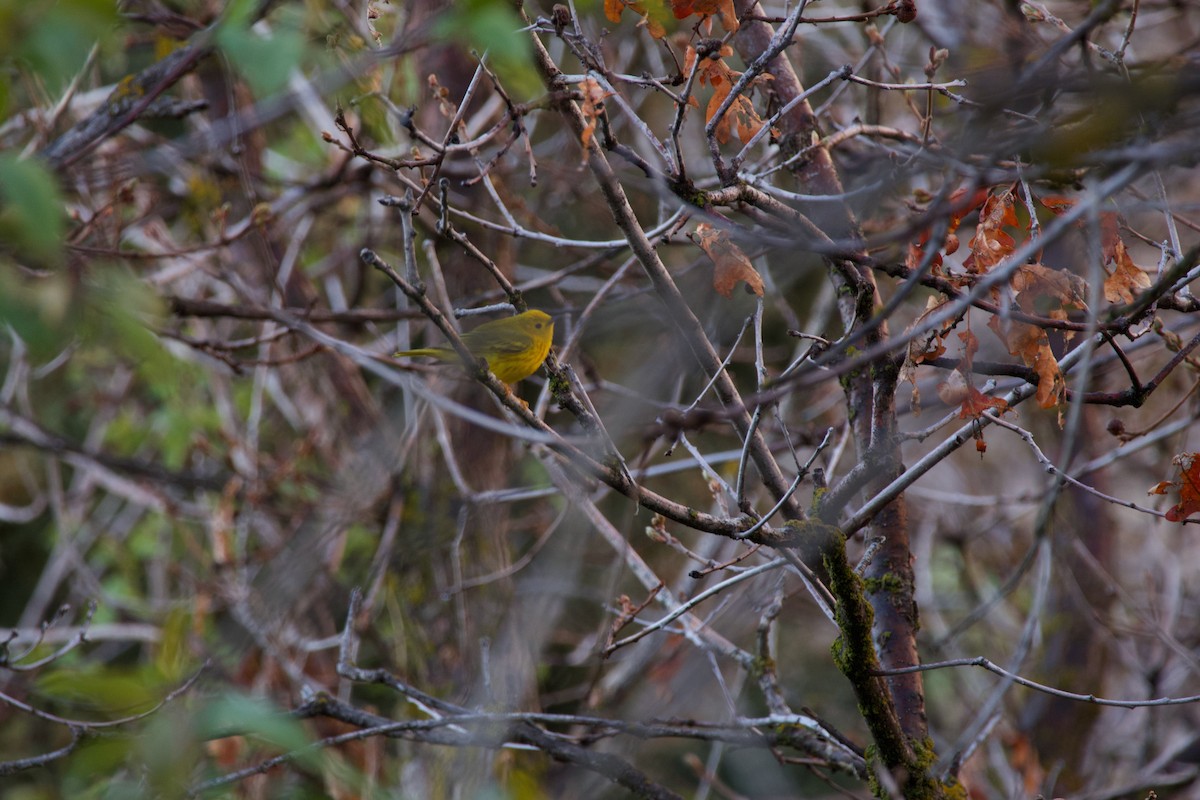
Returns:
<point x="746" y="121"/>
<point x="710" y="70"/>
<point x="927" y="346"/>
<point x="972" y="401"/>
<point x="1065" y="287"/>
<point x="652" y="12"/>
<point x="961" y="204"/>
<point x="916" y="254"/>
<point x="991" y="243"/>
<point x="1049" y="291"/>
<point x="1110" y="233"/>
<point x="931" y="344"/>
<point x="731" y="264"/>
<point x="721" y="9"/>
<point x="951" y="244"/>
<point x="976" y="402"/>
<point x="1056" y="204"/>
<point x="970" y="347"/>
<point x="1188" y="485"/>
<point x="935" y="349"/>
<point x="592" y="107"/>
<point x="740" y="118"/>
<point x="1031" y="345"/>
<point x="1052" y="388"/>
<point x="653" y="27"/>
<point x="1126" y="278"/>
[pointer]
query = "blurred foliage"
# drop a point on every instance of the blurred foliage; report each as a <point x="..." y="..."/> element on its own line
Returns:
<point x="218" y="483"/>
<point x="52" y="41"/>
<point x="31" y="212"/>
<point x="264" y="61"/>
<point x="492" y="30"/>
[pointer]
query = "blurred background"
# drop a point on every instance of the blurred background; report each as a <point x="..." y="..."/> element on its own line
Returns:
<point x="205" y="444"/>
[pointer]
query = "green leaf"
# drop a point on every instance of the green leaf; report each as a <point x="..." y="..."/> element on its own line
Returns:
<point x="492" y="27"/>
<point x="243" y="715"/>
<point x="105" y="692"/>
<point x="54" y="39"/>
<point x="32" y="220"/>
<point x="264" y="61"/>
<point x="39" y="310"/>
<point x="171" y="658"/>
<point x="99" y="756"/>
<point x="118" y="313"/>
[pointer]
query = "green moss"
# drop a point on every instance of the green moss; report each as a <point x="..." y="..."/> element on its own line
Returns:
<point x="854" y="654"/>
<point x="761" y="666"/>
<point x="889" y="582"/>
<point x="924" y="754"/>
<point x="559" y="385"/>
<point x="871" y="756"/>
<point x="923" y="785"/>
<point x="953" y="790"/>
<point x="809" y="539"/>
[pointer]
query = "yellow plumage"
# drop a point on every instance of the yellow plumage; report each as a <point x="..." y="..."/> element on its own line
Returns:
<point x="514" y="347"/>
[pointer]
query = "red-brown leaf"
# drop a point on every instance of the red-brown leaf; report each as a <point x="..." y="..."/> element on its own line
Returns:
<point x="1126" y="279"/>
<point x="976" y="402"/>
<point x="1188" y="485"/>
<point x="731" y="264"/>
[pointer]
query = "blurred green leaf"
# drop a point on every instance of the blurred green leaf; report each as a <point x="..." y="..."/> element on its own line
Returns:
<point x="492" y="27"/>
<point x="37" y="309"/>
<point x="118" y="313"/>
<point x="168" y="751"/>
<point x="54" y="39"/>
<point x="171" y="659"/>
<point x="99" y="756"/>
<point x="243" y="715"/>
<point x="32" y="220"/>
<point x="121" y="585"/>
<point x="108" y="691"/>
<point x="265" y="61"/>
<point x="5" y="92"/>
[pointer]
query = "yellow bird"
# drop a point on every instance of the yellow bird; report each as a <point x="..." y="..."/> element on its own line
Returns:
<point x="514" y="347"/>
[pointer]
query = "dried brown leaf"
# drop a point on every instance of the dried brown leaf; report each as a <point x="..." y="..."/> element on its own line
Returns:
<point x="731" y="264"/>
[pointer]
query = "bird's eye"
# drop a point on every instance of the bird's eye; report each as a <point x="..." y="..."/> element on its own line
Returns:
<point x="538" y="325"/>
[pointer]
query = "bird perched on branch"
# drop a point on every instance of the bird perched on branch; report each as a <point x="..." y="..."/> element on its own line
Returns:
<point x="514" y="347"/>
